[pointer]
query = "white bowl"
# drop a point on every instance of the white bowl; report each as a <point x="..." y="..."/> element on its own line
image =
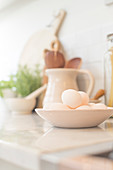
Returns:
<point x="75" y="118"/>
<point x="20" y="105"/>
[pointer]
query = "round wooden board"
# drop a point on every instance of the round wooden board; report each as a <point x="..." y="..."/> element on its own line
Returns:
<point x="33" y="50"/>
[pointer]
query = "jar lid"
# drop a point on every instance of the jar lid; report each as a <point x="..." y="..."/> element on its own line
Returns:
<point x="110" y="36"/>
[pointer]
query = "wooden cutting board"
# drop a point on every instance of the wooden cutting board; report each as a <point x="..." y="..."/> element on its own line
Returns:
<point x="33" y="51"/>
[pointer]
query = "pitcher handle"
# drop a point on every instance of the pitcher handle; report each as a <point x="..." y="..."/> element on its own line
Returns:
<point x="91" y="80"/>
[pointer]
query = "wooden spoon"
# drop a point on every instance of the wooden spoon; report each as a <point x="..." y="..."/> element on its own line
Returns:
<point x="54" y="58"/>
<point x="74" y="63"/>
<point x="99" y="94"/>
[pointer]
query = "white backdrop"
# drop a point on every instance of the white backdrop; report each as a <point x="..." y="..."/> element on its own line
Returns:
<point x="82" y="34"/>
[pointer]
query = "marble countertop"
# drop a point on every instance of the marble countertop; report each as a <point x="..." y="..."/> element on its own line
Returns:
<point x="28" y="140"/>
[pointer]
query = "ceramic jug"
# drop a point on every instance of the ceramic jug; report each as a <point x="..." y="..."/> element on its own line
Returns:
<point x="60" y="79"/>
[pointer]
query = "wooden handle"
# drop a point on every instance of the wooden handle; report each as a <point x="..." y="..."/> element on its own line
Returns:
<point x="55" y="45"/>
<point x="99" y="94"/>
<point x="58" y="21"/>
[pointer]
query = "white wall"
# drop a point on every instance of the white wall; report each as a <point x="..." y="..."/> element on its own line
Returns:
<point x="82" y="34"/>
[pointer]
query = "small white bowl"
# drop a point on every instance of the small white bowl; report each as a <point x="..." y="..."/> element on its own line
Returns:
<point x="75" y="118"/>
<point x="20" y="105"/>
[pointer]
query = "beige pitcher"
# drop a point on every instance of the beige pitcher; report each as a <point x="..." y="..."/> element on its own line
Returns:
<point x="61" y="79"/>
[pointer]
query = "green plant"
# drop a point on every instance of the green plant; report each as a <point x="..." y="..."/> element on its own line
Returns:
<point x="27" y="80"/>
<point x="7" y="84"/>
<point x="24" y="81"/>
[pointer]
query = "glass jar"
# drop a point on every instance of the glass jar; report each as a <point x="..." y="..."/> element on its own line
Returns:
<point x="108" y="72"/>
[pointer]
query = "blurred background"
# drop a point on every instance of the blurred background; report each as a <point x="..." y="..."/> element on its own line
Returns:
<point x="83" y="32"/>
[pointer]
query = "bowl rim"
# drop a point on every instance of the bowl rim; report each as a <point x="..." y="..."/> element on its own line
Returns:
<point x="15" y="99"/>
<point x="73" y="110"/>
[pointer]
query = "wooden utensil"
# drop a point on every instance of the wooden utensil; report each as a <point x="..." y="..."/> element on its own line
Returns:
<point x="74" y="63"/>
<point x="54" y="58"/>
<point x="33" y="50"/>
<point x="99" y="94"/>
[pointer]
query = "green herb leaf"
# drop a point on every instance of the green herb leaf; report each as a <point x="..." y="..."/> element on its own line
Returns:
<point x="25" y="81"/>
